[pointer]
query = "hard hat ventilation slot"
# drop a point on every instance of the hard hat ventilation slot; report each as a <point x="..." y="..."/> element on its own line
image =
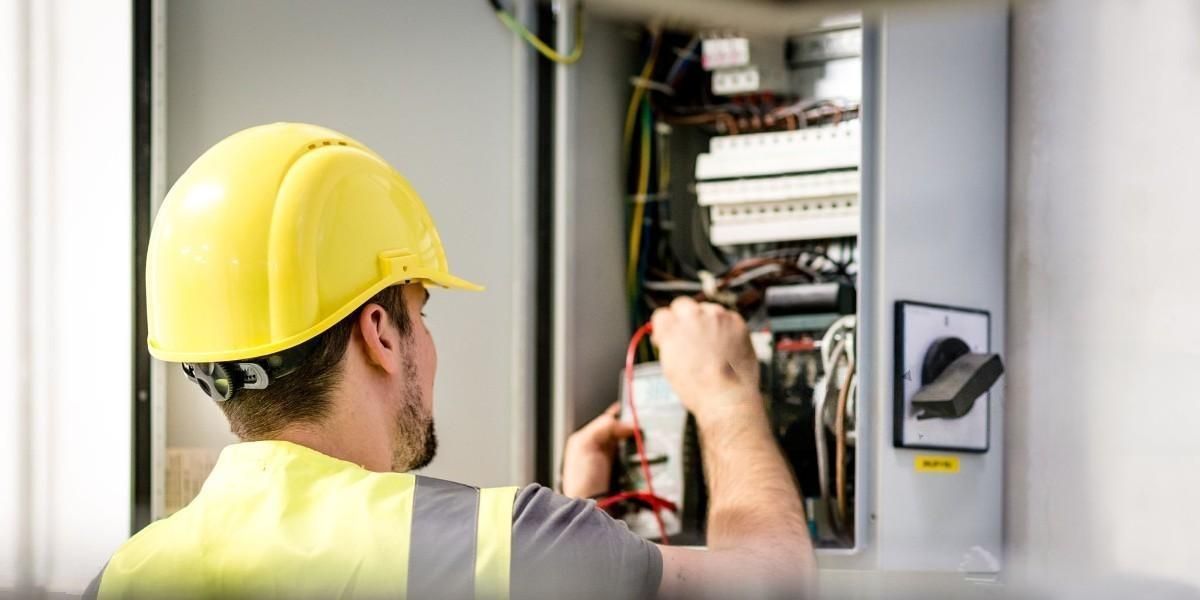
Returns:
<point x="314" y="145"/>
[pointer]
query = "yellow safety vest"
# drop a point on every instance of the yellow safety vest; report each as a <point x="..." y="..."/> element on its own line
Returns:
<point x="278" y="520"/>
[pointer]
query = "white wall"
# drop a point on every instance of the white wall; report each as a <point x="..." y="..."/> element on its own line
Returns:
<point x="12" y="302"/>
<point x="1104" y="410"/>
<point x="65" y="305"/>
<point x="437" y="88"/>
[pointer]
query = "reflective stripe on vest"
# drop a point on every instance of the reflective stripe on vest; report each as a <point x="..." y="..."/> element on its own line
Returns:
<point x="276" y="519"/>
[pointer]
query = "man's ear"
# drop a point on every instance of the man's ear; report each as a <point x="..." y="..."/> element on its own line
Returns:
<point x="381" y="342"/>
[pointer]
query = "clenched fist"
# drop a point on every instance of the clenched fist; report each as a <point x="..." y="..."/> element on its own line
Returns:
<point x="706" y="356"/>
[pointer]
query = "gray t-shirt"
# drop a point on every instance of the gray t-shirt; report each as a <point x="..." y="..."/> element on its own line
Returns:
<point x="567" y="548"/>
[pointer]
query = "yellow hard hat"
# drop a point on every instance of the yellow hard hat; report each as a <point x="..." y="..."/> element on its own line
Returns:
<point x="274" y="235"/>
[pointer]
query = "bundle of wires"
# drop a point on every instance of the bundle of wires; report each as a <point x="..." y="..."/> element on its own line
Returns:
<point x="839" y="368"/>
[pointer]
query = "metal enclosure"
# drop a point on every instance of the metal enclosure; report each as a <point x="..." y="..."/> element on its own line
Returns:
<point x="933" y="229"/>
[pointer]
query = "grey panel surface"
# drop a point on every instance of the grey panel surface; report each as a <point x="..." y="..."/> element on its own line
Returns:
<point x="591" y="319"/>
<point x="935" y="214"/>
<point x="432" y="87"/>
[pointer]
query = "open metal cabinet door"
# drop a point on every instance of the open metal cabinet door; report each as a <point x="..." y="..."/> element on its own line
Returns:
<point x="589" y="316"/>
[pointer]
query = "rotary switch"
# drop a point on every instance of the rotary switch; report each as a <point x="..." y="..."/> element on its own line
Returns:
<point x="953" y="378"/>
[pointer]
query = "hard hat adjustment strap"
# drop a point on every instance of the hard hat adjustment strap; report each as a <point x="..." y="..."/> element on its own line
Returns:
<point x="221" y="381"/>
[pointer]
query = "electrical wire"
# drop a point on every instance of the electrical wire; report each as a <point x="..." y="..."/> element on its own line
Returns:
<point x="837" y="345"/>
<point x="681" y="59"/>
<point x="839" y="432"/>
<point x="705" y="252"/>
<point x="673" y="286"/>
<point x="819" y="399"/>
<point x="637" y="213"/>
<point x="637" y="428"/>
<point x="639" y="89"/>
<point x="639" y="207"/>
<point x="649" y="499"/>
<point x="695" y="286"/>
<point x="542" y="47"/>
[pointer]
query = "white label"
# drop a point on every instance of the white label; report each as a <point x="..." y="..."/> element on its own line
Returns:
<point x="721" y="53"/>
<point x="727" y="82"/>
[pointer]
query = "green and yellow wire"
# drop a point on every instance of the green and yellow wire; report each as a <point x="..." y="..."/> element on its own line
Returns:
<point x="542" y="47"/>
<point x="638" y="100"/>
<point x="639" y="88"/>
<point x="639" y="203"/>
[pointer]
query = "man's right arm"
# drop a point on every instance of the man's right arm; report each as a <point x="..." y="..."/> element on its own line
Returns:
<point x="758" y="542"/>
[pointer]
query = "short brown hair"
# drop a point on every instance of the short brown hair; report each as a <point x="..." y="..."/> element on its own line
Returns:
<point x="303" y="395"/>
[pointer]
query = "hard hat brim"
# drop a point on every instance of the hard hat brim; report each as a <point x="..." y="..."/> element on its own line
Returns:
<point x="452" y="282"/>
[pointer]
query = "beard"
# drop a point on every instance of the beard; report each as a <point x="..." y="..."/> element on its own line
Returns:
<point x="416" y="439"/>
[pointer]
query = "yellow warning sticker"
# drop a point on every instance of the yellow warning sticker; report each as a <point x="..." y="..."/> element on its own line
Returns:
<point x="926" y="463"/>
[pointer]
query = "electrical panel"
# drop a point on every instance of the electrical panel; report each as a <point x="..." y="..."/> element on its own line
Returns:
<point x="833" y="184"/>
<point x="771" y="203"/>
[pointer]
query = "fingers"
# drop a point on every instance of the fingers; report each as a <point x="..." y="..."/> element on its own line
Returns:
<point x="712" y="310"/>
<point x="660" y="322"/>
<point x="602" y="430"/>
<point x="683" y="308"/>
<point x="596" y="427"/>
<point x="684" y="305"/>
<point x="622" y="430"/>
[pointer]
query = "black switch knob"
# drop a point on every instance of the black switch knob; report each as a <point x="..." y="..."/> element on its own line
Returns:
<point x="941" y="353"/>
<point x="953" y="378"/>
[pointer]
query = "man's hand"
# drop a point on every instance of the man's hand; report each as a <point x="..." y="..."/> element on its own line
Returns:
<point x="757" y="535"/>
<point x="705" y="354"/>
<point x="588" y="460"/>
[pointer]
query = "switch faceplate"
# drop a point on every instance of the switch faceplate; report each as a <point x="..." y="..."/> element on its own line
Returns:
<point x="918" y="326"/>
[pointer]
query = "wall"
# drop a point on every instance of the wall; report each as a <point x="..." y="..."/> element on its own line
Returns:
<point x="1105" y="203"/>
<point x="65" y="305"/>
<point x="437" y="88"/>
<point x="13" y="179"/>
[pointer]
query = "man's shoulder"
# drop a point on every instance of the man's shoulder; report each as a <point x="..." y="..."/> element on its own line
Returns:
<point x="567" y="546"/>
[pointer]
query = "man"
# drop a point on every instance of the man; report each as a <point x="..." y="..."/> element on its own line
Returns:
<point x="287" y="271"/>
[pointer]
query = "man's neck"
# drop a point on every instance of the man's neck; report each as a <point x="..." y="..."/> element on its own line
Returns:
<point x="358" y="446"/>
